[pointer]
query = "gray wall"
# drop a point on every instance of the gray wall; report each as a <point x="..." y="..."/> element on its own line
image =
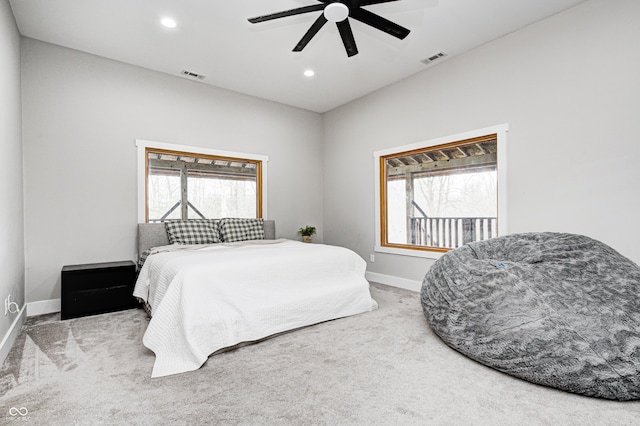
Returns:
<point x="82" y="115"/>
<point x="569" y="89"/>
<point x="11" y="207"/>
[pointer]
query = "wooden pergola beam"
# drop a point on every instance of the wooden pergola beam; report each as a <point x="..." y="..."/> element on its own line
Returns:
<point x="440" y="165"/>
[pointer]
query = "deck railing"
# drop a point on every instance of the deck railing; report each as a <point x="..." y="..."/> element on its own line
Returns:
<point x="451" y="232"/>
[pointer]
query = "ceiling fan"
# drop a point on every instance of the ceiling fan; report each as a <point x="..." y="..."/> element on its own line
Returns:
<point x="339" y="11"/>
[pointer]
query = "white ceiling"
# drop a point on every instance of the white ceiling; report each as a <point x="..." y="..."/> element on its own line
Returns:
<point x="214" y="38"/>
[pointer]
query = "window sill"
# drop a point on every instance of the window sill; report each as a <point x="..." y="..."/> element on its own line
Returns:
<point x="425" y="254"/>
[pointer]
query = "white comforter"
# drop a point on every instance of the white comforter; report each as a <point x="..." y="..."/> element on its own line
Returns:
<point x="206" y="298"/>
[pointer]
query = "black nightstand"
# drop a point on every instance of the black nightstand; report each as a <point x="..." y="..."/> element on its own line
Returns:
<point x="97" y="288"/>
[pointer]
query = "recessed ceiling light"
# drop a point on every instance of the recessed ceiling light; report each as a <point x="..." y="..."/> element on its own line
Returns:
<point x="168" y="22"/>
<point x="309" y="73"/>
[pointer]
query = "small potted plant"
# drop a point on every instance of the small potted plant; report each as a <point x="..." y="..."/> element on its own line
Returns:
<point x="307" y="232"/>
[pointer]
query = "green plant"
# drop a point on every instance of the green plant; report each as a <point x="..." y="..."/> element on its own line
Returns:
<point x="307" y="231"/>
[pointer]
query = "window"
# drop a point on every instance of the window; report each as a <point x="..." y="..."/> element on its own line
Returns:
<point x="438" y="195"/>
<point x="180" y="183"/>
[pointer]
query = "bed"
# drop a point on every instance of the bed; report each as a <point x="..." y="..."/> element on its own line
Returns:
<point x="208" y="296"/>
<point x="557" y="309"/>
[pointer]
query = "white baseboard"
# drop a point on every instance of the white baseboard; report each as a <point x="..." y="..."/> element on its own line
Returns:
<point x="11" y="336"/>
<point x="43" y="307"/>
<point x="393" y="281"/>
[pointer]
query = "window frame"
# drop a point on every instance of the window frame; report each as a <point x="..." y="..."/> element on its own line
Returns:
<point x="500" y="132"/>
<point x="144" y="145"/>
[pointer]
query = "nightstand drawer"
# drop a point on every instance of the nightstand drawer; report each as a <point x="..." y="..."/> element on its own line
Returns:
<point x="97" y="288"/>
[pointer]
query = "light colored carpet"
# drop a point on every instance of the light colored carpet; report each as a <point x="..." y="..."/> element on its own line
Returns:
<point x="380" y="368"/>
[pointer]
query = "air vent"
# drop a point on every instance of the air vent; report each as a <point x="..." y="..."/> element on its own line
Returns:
<point x="192" y="74"/>
<point x="433" y="58"/>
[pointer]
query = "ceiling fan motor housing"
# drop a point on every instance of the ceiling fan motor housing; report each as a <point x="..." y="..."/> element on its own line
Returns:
<point x="336" y="11"/>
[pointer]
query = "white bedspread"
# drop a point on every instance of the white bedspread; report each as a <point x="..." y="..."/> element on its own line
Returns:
<point x="206" y="298"/>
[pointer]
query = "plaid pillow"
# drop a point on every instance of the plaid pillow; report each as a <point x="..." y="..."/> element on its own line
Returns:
<point x="236" y="229"/>
<point x="143" y="258"/>
<point x="193" y="231"/>
<point x="215" y="225"/>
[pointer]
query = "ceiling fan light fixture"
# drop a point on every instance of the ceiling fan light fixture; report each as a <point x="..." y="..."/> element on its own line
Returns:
<point x="336" y="12"/>
<point x="168" y="22"/>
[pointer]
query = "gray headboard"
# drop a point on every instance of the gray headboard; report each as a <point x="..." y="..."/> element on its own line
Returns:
<point x="154" y="235"/>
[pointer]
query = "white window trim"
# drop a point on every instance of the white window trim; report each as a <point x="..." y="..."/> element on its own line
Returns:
<point x="501" y="132"/>
<point x="144" y="144"/>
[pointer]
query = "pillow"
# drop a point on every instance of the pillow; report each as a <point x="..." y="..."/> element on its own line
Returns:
<point x="143" y="258"/>
<point x="193" y="231"/>
<point x="236" y="229"/>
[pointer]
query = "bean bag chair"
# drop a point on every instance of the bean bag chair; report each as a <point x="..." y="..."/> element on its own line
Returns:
<point x="556" y="309"/>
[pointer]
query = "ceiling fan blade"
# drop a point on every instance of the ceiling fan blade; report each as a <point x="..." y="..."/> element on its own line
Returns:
<point x="310" y="33"/>
<point x="368" y="2"/>
<point x="291" y="12"/>
<point x="347" y="37"/>
<point x="380" y="23"/>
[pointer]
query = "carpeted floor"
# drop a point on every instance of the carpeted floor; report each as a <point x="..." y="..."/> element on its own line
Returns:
<point x="380" y="368"/>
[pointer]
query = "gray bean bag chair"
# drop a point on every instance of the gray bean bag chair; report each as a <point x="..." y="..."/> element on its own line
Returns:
<point x="555" y="309"/>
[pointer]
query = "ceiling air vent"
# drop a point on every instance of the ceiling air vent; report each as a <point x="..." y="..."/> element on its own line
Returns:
<point x="192" y="74"/>
<point x="433" y="58"/>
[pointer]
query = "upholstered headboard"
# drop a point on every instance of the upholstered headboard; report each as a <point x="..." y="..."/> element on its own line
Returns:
<point x="154" y="234"/>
